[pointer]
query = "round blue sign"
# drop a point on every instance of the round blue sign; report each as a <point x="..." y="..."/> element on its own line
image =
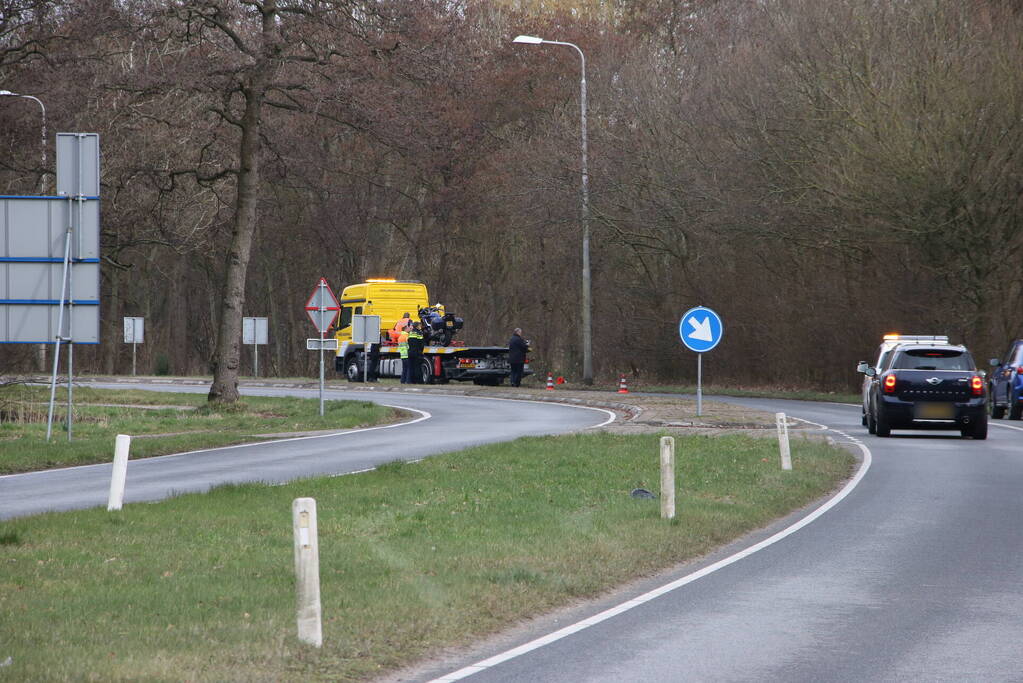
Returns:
<point x="700" y="329"/>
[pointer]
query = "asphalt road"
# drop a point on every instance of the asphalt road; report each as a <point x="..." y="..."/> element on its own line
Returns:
<point x="443" y="424"/>
<point x="916" y="574"/>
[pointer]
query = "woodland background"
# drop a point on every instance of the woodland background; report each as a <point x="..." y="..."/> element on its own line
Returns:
<point x="819" y="173"/>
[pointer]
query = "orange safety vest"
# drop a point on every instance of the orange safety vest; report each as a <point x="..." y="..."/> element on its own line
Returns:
<point x="398" y="328"/>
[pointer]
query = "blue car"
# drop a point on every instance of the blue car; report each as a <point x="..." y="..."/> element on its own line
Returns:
<point x="1005" y="385"/>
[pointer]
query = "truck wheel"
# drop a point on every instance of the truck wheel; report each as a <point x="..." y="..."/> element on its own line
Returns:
<point x="353" y="372"/>
<point x="425" y="372"/>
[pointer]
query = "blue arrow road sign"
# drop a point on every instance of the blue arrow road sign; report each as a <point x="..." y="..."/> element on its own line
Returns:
<point x="700" y="329"/>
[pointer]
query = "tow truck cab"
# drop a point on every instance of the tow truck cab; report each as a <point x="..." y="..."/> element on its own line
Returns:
<point x="390" y="299"/>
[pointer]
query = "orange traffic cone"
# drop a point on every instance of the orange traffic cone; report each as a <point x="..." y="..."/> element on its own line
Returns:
<point x="550" y="382"/>
<point x="622" y="387"/>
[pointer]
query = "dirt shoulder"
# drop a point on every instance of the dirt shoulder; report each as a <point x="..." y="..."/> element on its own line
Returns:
<point x="636" y="413"/>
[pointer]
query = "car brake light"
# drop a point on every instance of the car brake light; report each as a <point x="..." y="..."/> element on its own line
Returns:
<point x="889" y="384"/>
<point x="977" y="385"/>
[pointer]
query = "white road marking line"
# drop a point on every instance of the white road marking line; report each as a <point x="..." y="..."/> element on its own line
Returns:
<point x="667" y="588"/>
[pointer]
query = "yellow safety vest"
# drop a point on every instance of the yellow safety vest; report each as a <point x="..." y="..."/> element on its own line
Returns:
<point x="403" y="344"/>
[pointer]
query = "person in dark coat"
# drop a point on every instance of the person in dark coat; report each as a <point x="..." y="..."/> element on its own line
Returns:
<point x="415" y="353"/>
<point x="517" y="349"/>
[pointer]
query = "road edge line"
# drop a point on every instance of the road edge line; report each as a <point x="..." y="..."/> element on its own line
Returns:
<point x="537" y="643"/>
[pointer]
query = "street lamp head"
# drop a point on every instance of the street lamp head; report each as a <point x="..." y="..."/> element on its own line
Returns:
<point x="8" y="92"/>
<point x="531" y="40"/>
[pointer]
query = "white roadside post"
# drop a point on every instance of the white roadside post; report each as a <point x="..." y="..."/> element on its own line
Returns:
<point x="783" y="441"/>
<point x="667" y="477"/>
<point x="307" y="571"/>
<point x="122" y="446"/>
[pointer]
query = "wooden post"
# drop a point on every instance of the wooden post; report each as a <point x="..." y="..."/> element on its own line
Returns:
<point x="783" y="441"/>
<point x="667" y="477"/>
<point x="307" y="571"/>
<point x="121" y="447"/>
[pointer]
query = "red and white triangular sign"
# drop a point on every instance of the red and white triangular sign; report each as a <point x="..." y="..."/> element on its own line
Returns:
<point x="323" y="306"/>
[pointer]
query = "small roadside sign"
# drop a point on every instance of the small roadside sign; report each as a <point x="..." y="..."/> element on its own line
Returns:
<point x="254" y="331"/>
<point x="700" y="329"/>
<point x="134" y="334"/>
<point x="322" y="307"/>
<point x="134" y="330"/>
<point x="317" y="344"/>
<point x="254" y="334"/>
<point x="365" y="329"/>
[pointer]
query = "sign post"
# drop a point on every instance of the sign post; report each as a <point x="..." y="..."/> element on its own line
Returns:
<point x="700" y="329"/>
<point x="134" y="334"/>
<point x="254" y="332"/>
<point x="365" y="331"/>
<point x="323" y="308"/>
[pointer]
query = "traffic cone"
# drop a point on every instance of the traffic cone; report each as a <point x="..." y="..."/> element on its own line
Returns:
<point x="550" y="382"/>
<point x="622" y="387"/>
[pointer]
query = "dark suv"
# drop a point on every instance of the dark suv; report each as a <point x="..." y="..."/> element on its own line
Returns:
<point x="1006" y="383"/>
<point x="928" y="386"/>
<point x="884" y="352"/>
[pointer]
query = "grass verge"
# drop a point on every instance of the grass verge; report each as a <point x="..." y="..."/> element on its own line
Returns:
<point x="413" y="557"/>
<point x="184" y="422"/>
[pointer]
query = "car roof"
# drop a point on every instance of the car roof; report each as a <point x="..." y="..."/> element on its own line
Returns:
<point x="936" y="347"/>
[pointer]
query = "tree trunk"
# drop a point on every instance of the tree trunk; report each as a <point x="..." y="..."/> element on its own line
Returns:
<point x="228" y="355"/>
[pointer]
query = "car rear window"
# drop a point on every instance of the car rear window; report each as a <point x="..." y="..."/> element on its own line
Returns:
<point x="933" y="359"/>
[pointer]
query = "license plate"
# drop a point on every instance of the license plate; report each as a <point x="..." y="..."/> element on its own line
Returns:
<point x="450" y="323"/>
<point x="934" y="411"/>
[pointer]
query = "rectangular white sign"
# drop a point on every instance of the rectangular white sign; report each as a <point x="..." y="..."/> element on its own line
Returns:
<point x="254" y="331"/>
<point x="329" y="344"/>
<point x="134" y="330"/>
<point x="366" y="329"/>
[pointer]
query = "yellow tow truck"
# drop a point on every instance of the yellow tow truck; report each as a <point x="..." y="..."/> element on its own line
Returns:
<point x="444" y="358"/>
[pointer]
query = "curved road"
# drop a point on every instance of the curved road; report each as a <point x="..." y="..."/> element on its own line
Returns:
<point x="444" y="424"/>
<point x="915" y="575"/>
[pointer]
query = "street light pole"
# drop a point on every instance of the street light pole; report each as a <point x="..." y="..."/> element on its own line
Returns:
<point x="42" y="177"/>
<point x="587" y="302"/>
